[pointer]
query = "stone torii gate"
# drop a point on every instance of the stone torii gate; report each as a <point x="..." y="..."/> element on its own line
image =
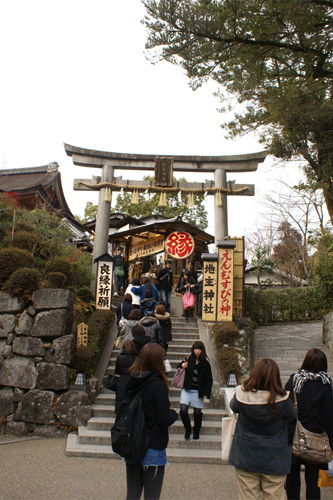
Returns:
<point x="108" y="162"/>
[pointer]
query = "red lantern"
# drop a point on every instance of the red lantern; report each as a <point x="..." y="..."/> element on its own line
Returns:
<point x="179" y="245"/>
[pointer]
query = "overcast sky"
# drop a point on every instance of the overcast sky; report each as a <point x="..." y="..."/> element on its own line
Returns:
<point x="75" y="71"/>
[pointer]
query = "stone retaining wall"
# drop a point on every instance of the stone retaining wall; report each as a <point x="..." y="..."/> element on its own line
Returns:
<point x="328" y="330"/>
<point x="246" y="345"/>
<point x="36" y="350"/>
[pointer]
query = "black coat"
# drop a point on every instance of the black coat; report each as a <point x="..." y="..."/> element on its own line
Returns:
<point x="123" y="363"/>
<point x="165" y="280"/>
<point x="260" y="442"/>
<point x="194" y="275"/>
<point x="124" y="309"/>
<point x="156" y="406"/>
<point x="315" y="406"/>
<point x="152" y="327"/>
<point x="140" y="341"/>
<point x="147" y="307"/>
<point x="166" y="327"/>
<point x="205" y="379"/>
<point x="184" y="286"/>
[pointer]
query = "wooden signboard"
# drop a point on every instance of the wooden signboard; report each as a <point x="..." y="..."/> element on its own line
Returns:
<point x="164" y="172"/>
<point x="82" y="335"/>
<point x="225" y="281"/>
<point x="104" y="281"/>
<point x="209" y="290"/>
<point x="146" y="247"/>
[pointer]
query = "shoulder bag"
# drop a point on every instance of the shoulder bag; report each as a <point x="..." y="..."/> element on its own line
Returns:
<point x="309" y="446"/>
<point x="179" y="377"/>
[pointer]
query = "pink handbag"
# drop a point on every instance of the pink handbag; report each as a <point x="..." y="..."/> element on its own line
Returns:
<point x="188" y="299"/>
<point x="178" y="379"/>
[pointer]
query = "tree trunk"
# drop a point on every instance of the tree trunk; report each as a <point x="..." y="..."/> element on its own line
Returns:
<point x="328" y="195"/>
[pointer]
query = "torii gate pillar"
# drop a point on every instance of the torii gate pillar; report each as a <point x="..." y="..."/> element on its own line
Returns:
<point x="220" y="212"/>
<point x="103" y="218"/>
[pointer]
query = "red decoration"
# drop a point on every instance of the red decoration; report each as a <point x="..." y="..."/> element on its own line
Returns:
<point x="179" y="245"/>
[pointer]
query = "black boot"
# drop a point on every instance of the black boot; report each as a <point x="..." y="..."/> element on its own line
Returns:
<point x="197" y="425"/>
<point x="186" y="315"/>
<point x="187" y="424"/>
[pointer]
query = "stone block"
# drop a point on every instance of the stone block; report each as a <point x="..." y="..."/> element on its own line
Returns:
<point x="64" y="348"/>
<point x="2" y="345"/>
<point x="7" y="405"/>
<point x="18" y="394"/>
<point x="53" y="377"/>
<point x="49" y="431"/>
<point x="53" y="298"/>
<point x="25" y="323"/>
<point x="7" y="325"/>
<point x="17" y="429"/>
<point x="18" y="371"/>
<point x="10" y="304"/>
<point x="52" y="324"/>
<point x="328" y="330"/>
<point x="73" y="409"/>
<point x="7" y="350"/>
<point x="35" y="407"/>
<point x="28" y="346"/>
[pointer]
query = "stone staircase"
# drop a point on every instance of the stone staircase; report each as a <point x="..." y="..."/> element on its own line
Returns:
<point x="94" y="440"/>
<point x="288" y="344"/>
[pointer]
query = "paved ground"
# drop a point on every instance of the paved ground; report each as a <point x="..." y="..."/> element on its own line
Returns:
<point x="38" y="469"/>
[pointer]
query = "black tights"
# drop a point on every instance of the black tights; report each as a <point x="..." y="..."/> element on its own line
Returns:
<point x="293" y="482"/>
<point x="184" y="411"/>
<point x="149" y="479"/>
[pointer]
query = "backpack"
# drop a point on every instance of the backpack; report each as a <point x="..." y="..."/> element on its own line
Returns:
<point x="129" y="434"/>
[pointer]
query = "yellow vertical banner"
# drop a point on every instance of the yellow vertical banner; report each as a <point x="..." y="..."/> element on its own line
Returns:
<point x="225" y="282"/>
<point x="209" y="290"/>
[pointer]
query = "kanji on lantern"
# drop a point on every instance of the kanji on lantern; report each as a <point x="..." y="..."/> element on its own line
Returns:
<point x="179" y="245"/>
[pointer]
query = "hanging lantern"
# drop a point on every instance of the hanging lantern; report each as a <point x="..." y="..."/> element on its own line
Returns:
<point x="107" y="194"/>
<point x="135" y="196"/>
<point x="218" y="199"/>
<point x="162" y="202"/>
<point x="190" y="200"/>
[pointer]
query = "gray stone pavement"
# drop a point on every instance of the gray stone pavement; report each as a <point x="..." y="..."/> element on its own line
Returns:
<point x="38" y="469"/>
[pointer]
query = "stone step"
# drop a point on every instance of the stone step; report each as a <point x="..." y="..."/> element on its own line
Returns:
<point x="103" y="437"/>
<point x="209" y="426"/>
<point x="183" y="455"/>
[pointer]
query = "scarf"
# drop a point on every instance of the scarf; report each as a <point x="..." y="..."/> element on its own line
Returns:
<point x="303" y="376"/>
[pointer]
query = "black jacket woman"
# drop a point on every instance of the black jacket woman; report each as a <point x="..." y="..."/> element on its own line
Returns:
<point x="148" y="474"/>
<point x="313" y="389"/>
<point x="197" y="386"/>
<point x="164" y="320"/>
<point x="188" y="288"/>
<point x="124" y="361"/>
<point x="261" y="447"/>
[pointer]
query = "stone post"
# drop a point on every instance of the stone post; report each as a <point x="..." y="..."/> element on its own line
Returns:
<point x="102" y="222"/>
<point x="221" y="213"/>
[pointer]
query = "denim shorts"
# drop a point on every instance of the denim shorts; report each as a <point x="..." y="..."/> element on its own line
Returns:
<point x="154" y="457"/>
<point x="191" y="398"/>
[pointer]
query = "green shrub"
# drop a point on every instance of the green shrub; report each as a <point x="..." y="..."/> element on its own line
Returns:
<point x="59" y="265"/>
<point x="55" y="280"/>
<point x="12" y="259"/>
<point x="225" y="333"/>
<point x="84" y="361"/>
<point x="84" y="293"/>
<point x="23" y="281"/>
<point x="26" y="241"/>
<point x="228" y="362"/>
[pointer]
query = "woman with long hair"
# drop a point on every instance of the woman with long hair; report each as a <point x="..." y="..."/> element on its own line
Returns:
<point x="197" y="386"/>
<point x="124" y="361"/>
<point x="148" y="474"/>
<point x="313" y="389"/>
<point x="261" y="448"/>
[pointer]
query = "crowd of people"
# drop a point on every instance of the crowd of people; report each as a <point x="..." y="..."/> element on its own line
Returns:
<point x="262" y="447"/>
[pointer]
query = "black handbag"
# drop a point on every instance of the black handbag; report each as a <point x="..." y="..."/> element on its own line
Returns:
<point x="111" y="382"/>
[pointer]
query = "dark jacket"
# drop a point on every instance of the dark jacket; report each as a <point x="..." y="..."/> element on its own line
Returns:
<point x="140" y="341"/>
<point x="123" y="363"/>
<point x="156" y="406"/>
<point x="140" y="290"/>
<point x="315" y="406"/>
<point x="124" y="309"/>
<point x="260" y="441"/>
<point x="147" y="307"/>
<point x="165" y="279"/>
<point x="194" y="275"/>
<point x="205" y="379"/>
<point x="166" y="327"/>
<point x="152" y="327"/>
<point x="185" y="286"/>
